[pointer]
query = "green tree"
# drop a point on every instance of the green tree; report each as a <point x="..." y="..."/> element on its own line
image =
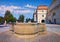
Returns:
<point x="1" y="20"/>
<point x="32" y="20"/>
<point x="14" y="19"/>
<point x="9" y="17"/>
<point x="21" y="18"/>
<point x="28" y="19"/>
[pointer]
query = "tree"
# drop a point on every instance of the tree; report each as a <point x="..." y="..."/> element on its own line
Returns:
<point x="28" y="19"/>
<point x="21" y="18"/>
<point x="32" y="20"/>
<point x="1" y="20"/>
<point x="9" y="17"/>
<point x="14" y="19"/>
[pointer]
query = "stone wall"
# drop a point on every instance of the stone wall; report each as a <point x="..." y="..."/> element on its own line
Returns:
<point x="28" y="28"/>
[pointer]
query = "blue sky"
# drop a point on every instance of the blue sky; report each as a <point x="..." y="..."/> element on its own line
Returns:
<point x="18" y="7"/>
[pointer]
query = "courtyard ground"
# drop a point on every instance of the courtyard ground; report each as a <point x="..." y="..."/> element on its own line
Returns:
<point x="52" y="35"/>
<point x="49" y="37"/>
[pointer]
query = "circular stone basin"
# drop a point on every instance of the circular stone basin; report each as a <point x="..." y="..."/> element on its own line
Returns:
<point x="28" y="28"/>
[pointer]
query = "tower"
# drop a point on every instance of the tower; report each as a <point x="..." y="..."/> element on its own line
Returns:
<point x="40" y="13"/>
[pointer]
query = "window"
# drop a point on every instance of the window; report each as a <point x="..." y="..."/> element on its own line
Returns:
<point x="42" y="15"/>
<point x="55" y="21"/>
<point x="54" y="14"/>
<point x="42" y="10"/>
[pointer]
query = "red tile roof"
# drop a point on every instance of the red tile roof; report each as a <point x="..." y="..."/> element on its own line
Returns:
<point x="42" y="7"/>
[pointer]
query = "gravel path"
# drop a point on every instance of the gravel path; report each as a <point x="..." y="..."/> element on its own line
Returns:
<point x="49" y="37"/>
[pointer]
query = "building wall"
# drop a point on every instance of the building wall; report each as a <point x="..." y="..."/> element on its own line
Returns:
<point x="57" y="16"/>
<point x="54" y="9"/>
<point x="35" y="18"/>
<point x="54" y="4"/>
<point x="41" y="15"/>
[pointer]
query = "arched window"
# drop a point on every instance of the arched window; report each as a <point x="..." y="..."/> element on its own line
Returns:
<point x="42" y="15"/>
<point x="43" y="21"/>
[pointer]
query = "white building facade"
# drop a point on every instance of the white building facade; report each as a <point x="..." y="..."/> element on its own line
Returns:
<point x="40" y="14"/>
<point x="53" y="15"/>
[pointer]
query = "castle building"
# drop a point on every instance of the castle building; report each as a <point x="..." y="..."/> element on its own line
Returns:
<point x="40" y="14"/>
<point x="53" y="15"/>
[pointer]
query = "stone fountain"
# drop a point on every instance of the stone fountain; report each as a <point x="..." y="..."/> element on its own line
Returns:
<point x="28" y="30"/>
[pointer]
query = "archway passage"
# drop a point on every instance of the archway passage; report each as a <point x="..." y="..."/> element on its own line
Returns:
<point x="43" y="21"/>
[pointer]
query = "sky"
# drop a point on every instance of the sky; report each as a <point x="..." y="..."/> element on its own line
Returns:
<point x="18" y="7"/>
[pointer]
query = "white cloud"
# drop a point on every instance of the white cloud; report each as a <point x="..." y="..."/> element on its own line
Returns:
<point x="3" y="8"/>
<point x="9" y="7"/>
<point x="30" y="6"/>
<point x="13" y="9"/>
<point x="22" y="11"/>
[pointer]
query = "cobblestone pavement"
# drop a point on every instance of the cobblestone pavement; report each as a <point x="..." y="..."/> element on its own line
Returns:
<point x="53" y="28"/>
<point x="49" y="37"/>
